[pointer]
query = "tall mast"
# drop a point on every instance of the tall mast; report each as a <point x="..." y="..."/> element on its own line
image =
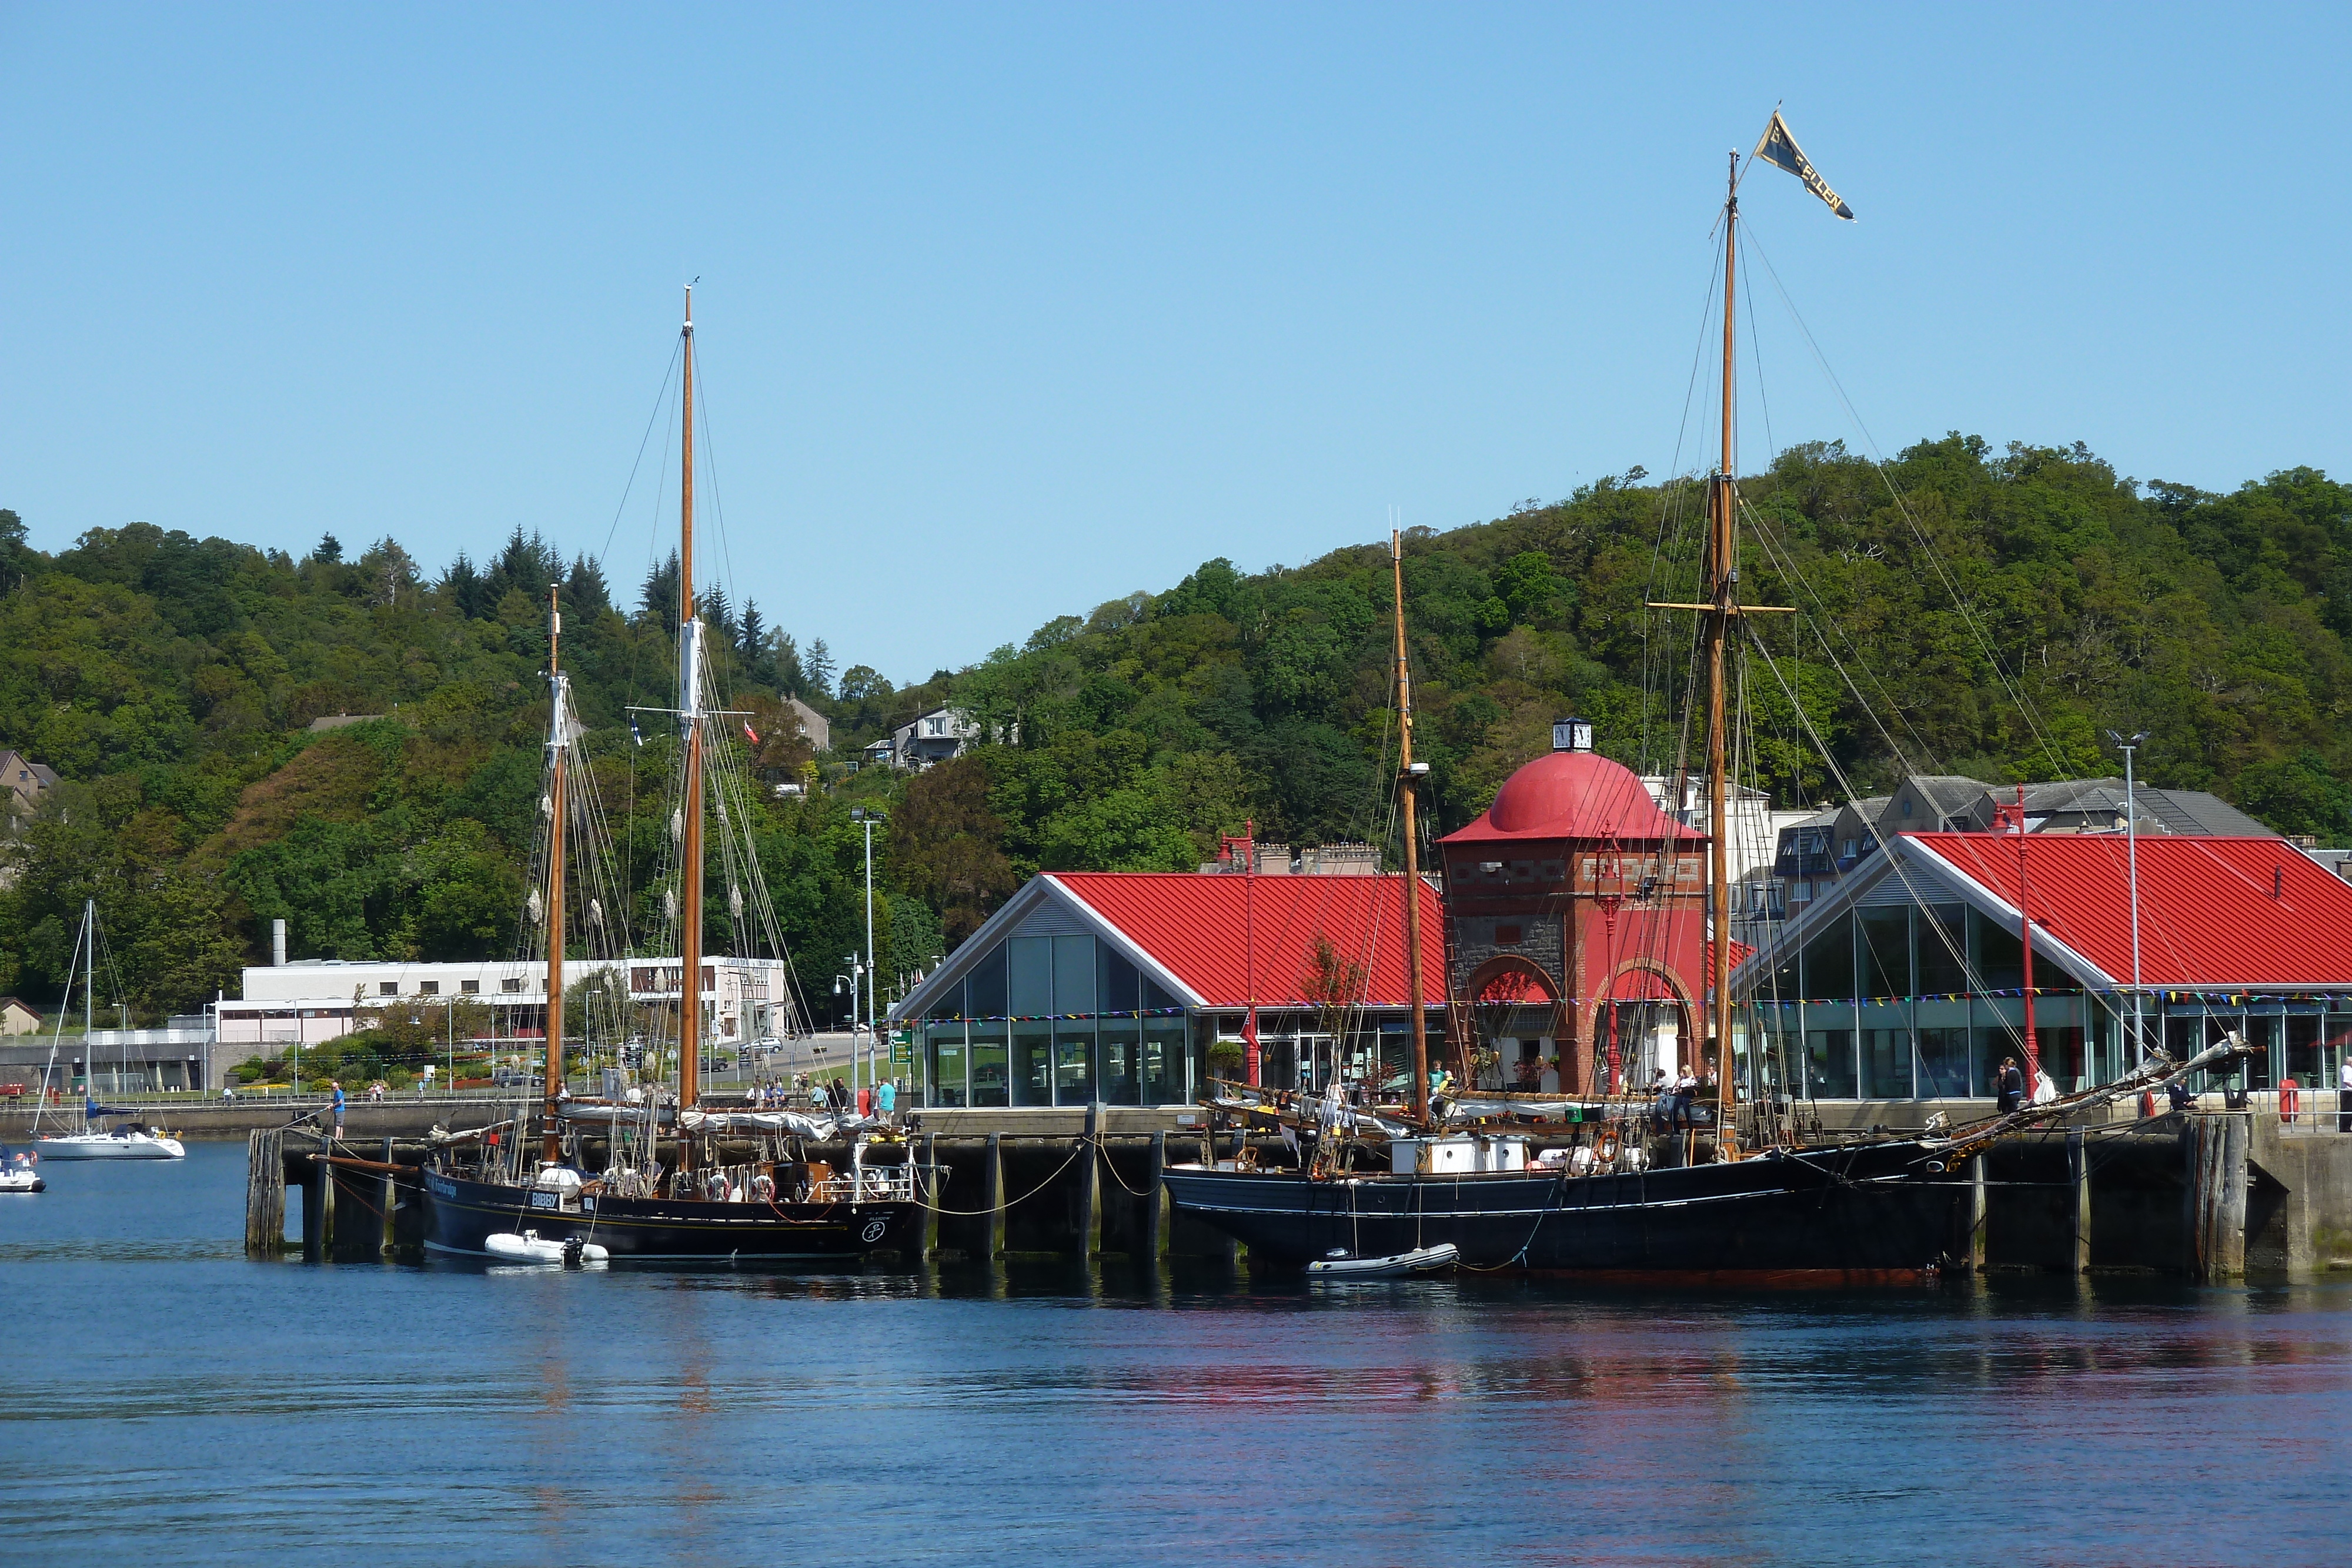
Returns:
<point x="88" y="1006"/>
<point x="550" y="1141"/>
<point x="689" y="705"/>
<point x="1723" y="593"/>
<point x="1412" y="844"/>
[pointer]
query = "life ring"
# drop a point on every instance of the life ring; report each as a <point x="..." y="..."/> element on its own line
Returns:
<point x="764" y="1188"/>
<point x="1606" y="1154"/>
<point x="2290" y="1099"/>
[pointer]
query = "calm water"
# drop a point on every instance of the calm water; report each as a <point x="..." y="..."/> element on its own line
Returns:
<point x="170" y="1402"/>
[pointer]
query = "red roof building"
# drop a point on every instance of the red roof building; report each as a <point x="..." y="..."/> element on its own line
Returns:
<point x="1114" y="987"/>
<point x="1909" y="981"/>
<point x="1577" y="924"/>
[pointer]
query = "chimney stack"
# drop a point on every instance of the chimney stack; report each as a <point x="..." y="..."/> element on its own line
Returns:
<point x="277" y="944"/>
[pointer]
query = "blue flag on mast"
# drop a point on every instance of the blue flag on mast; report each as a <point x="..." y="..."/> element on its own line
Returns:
<point x="1781" y="150"/>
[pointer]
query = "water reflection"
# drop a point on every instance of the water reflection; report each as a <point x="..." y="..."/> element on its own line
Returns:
<point x="1040" y="1411"/>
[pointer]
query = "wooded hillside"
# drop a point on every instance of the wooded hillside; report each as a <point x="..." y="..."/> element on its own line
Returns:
<point x="171" y="681"/>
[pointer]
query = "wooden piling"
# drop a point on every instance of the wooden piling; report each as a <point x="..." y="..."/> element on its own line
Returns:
<point x="388" y="1202"/>
<point x="315" y="1188"/>
<point x="1088" y="1224"/>
<point x="991" y="1198"/>
<point x="265" y="1193"/>
<point x="931" y="1239"/>
<point x="1155" y="1200"/>
<point x="2214" y="1146"/>
<point x="1977" y="1213"/>
<point x="2078" y="1212"/>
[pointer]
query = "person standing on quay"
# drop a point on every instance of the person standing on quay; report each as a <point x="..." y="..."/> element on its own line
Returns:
<point x="886" y="1098"/>
<point x="2010" y="1086"/>
<point x="2344" y="1094"/>
<point x="338" y="1084"/>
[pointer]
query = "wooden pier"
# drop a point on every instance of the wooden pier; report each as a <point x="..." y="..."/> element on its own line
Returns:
<point x="2211" y="1195"/>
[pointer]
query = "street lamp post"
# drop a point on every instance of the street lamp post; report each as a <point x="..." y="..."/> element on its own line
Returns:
<point x="2131" y="860"/>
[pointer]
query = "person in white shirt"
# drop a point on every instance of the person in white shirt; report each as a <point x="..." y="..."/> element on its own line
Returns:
<point x="2344" y="1094"/>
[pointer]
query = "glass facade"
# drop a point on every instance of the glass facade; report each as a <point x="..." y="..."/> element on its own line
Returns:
<point x="1893" y="1004"/>
<point x="1006" y="1036"/>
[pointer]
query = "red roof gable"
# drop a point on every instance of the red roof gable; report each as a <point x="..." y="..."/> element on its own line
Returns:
<point x="1205" y="929"/>
<point x="2209" y="913"/>
<point x="1574" y="795"/>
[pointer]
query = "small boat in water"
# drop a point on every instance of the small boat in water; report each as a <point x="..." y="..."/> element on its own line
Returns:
<point x="126" y="1140"/>
<point x="530" y="1247"/>
<point x="20" y="1174"/>
<point x="129" y="1141"/>
<point x="1339" y="1264"/>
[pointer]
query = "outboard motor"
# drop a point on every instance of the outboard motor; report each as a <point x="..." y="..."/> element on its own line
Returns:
<point x="575" y="1251"/>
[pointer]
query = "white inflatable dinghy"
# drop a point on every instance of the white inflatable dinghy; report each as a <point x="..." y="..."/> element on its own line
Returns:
<point x="1420" y="1260"/>
<point x="529" y="1248"/>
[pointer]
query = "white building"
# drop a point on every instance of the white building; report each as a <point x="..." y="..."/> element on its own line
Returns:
<point x="314" y="1000"/>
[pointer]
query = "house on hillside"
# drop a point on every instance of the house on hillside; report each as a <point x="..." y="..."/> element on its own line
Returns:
<point x="2096" y="806"/>
<point x="815" y="728"/>
<point x="18" y="1017"/>
<point x="927" y="739"/>
<point x="24" y="781"/>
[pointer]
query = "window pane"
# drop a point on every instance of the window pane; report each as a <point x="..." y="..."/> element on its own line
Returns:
<point x="1074" y="974"/>
<point x="2000" y="957"/>
<point x="1944" y="1057"/>
<point x="1116" y="983"/>
<point x="1886" y="1051"/>
<point x="1163" y="1061"/>
<point x="1074" y="1058"/>
<point x="984" y="987"/>
<point x="1829" y="963"/>
<point x="1999" y="1025"/>
<point x="1886" y="953"/>
<point x="1122" y="1082"/>
<point x="1033" y="1046"/>
<point x="1829" y="1058"/>
<point x="1941" y="935"/>
<point x="988" y="1081"/>
<point x="948" y="1087"/>
<point x="1029" y="976"/>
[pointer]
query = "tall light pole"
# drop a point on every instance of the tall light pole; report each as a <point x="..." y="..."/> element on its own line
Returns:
<point x="2131" y="859"/>
<point x="866" y="819"/>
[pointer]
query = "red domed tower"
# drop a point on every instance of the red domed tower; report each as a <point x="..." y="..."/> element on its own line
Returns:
<point x="1572" y="896"/>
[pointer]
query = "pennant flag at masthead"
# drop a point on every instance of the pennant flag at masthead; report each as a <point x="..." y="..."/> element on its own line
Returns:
<point x="1780" y="149"/>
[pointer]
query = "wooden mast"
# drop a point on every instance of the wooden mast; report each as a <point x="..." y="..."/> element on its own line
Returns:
<point x="550" y="1140"/>
<point x="689" y="702"/>
<point x="1723" y="593"/>
<point x="1411" y="845"/>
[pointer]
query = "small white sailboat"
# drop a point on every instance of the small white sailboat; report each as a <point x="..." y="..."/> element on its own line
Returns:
<point x="20" y="1174"/>
<point x="126" y="1141"/>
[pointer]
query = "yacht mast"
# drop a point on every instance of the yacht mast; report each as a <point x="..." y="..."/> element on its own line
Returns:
<point x="1411" y="845"/>
<point x="690" y="707"/>
<point x="550" y="1141"/>
<point x="1722" y="594"/>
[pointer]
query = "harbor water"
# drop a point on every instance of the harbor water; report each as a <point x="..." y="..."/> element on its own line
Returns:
<point x="171" y="1400"/>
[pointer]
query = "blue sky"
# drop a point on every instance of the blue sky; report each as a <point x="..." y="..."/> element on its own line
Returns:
<point x="1006" y="311"/>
